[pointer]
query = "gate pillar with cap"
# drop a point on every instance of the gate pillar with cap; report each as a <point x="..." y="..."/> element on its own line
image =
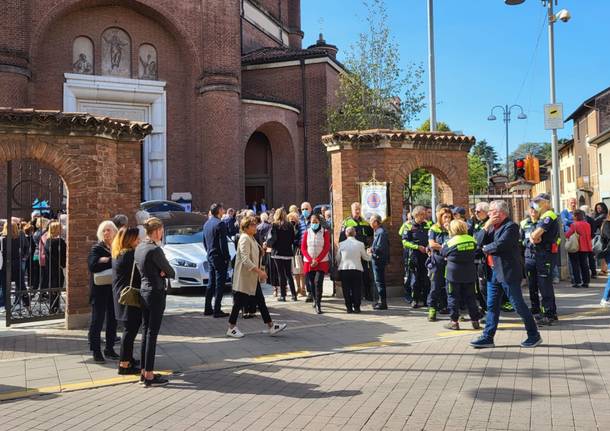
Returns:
<point x="393" y="155"/>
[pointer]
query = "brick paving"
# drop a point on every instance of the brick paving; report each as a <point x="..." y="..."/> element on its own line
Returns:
<point x="421" y="378"/>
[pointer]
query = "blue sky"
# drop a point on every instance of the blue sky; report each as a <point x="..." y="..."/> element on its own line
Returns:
<point x="487" y="54"/>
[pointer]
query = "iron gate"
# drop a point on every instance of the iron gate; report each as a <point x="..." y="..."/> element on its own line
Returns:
<point x="33" y="244"/>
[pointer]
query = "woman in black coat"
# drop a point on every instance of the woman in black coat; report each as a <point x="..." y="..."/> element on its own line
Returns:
<point x="125" y="273"/>
<point x="281" y="242"/>
<point x="17" y="273"/>
<point x="55" y="251"/>
<point x="102" y="303"/>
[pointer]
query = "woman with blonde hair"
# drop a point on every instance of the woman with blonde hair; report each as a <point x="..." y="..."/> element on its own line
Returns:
<point x="247" y="277"/>
<point x="100" y="295"/>
<point x="55" y="252"/>
<point x="124" y="274"/>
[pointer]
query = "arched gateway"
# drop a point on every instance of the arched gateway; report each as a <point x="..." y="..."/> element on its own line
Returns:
<point x="393" y="155"/>
<point x="98" y="160"/>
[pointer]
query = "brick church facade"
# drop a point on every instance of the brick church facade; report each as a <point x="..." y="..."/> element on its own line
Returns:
<point x="236" y="102"/>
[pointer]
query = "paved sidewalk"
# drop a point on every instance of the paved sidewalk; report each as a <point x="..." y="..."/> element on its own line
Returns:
<point x="377" y="370"/>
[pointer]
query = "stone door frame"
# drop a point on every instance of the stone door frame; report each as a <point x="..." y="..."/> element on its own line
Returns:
<point x="85" y="93"/>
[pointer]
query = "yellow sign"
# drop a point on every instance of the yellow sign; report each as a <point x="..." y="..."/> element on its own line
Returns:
<point x="553" y="116"/>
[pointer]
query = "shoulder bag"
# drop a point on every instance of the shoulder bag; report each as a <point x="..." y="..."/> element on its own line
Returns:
<point x="103" y="278"/>
<point x="130" y="295"/>
<point x="572" y="244"/>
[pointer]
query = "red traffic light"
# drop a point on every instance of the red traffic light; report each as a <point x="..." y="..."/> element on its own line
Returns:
<point x="519" y="163"/>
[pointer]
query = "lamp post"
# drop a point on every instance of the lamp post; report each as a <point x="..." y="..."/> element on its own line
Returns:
<point x="564" y="16"/>
<point x="506" y="111"/>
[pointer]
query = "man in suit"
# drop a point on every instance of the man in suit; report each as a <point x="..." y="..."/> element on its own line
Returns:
<point x="215" y="243"/>
<point x="380" y="252"/>
<point x="502" y="251"/>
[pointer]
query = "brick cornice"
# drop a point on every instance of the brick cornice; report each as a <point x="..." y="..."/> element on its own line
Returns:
<point x="30" y="121"/>
<point x="385" y="138"/>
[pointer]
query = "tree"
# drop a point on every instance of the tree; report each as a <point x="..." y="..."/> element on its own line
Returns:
<point x="542" y="150"/>
<point x="440" y="126"/>
<point x="487" y="154"/>
<point x="368" y="94"/>
<point x="477" y="175"/>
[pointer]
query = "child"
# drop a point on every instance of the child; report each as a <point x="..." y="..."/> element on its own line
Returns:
<point x="460" y="252"/>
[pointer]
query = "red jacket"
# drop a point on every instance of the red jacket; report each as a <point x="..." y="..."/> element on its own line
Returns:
<point x="321" y="266"/>
<point x="583" y="229"/>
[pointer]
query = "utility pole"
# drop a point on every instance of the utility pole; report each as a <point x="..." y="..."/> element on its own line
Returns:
<point x="432" y="92"/>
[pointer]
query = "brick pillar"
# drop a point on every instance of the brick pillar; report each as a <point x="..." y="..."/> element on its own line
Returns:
<point x="295" y="37"/>
<point x="14" y="57"/>
<point x="219" y="104"/>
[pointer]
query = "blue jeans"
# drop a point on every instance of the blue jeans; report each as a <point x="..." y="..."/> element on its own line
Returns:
<point x="216" y="284"/>
<point x="607" y="289"/>
<point x="379" y="274"/>
<point x="494" y="300"/>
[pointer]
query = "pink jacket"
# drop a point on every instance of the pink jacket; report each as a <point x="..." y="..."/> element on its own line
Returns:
<point x="583" y="229"/>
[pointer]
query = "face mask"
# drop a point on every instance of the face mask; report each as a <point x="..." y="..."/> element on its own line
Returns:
<point x="305" y="213"/>
<point x="315" y="226"/>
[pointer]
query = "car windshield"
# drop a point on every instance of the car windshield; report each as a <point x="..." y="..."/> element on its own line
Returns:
<point x="183" y="234"/>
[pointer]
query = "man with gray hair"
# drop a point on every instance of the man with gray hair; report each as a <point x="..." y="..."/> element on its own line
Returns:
<point x="502" y="250"/>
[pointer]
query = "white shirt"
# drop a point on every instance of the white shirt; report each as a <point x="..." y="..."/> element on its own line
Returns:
<point x="350" y="254"/>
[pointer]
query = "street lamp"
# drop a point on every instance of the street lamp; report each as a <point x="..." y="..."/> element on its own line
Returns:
<point x="564" y="16"/>
<point x="506" y="111"/>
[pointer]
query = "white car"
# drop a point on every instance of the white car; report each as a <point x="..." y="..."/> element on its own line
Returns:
<point x="183" y="247"/>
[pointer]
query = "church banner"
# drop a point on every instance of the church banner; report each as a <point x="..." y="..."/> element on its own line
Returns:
<point x="374" y="199"/>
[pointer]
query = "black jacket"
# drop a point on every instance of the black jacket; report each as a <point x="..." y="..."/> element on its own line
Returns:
<point x="282" y="239"/>
<point x="55" y="250"/>
<point x="460" y="252"/>
<point x="151" y="262"/>
<point x="121" y="277"/>
<point x="502" y="243"/>
<point x="215" y="241"/>
<point x="98" y="250"/>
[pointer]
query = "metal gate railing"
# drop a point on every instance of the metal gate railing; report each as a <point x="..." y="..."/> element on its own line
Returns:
<point x="33" y="244"/>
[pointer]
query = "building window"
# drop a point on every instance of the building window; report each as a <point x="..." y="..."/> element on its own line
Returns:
<point x="561" y="175"/>
<point x="580" y="166"/>
<point x="601" y="168"/>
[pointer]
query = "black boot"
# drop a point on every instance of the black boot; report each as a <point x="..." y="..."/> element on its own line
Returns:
<point x="318" y="308"/>
<point x="98" y="357"/>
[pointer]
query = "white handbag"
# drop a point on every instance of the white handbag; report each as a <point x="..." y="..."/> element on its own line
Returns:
<point x="103" y="278"/>
<point x="573" y="244"/>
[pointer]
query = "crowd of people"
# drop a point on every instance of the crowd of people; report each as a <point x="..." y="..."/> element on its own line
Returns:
<point x="37" y="262"/>
<point x="470" y="267"/>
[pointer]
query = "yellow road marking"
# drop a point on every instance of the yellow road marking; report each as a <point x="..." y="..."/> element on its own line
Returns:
<point x="74" y="386"/>
<point x="368" y="345"/>
<point x="283" y="355"/>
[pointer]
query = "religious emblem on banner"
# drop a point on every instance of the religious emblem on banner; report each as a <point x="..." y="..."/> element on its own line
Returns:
<point x="374" y="198"/>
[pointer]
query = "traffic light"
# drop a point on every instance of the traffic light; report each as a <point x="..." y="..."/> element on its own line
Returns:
<point x="519" y="169"/>
<point x="543" y="171"/>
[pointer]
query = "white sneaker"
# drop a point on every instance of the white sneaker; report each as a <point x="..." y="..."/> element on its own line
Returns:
<point x="604" y="303"/>
<point x="234" y="333"/>
<point x="277" y="327"/>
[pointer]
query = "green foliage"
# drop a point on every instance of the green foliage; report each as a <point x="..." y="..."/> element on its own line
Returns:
<point x="477" y="175"/>
<point x="440" y="126"/>
<point x="542" y="150"/>
<point x="376" y="92"/>
<point x="487" y="154"/>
